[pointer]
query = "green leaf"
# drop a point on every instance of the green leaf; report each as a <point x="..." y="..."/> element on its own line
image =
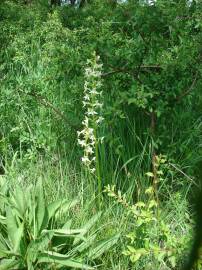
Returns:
<point x="86" y="244"/>
<point x="150" y="174"/>
<point x="53" y="207"/>
<point x="102" y="247"/>
<point x="172" y="261"/>
<point x="149" y="190"/>
<point x="3" y="247"/>
<point x="66" y="232"/>
<point x="40" y="209"/>
<point x="38" y="245"/>
<point x="65" y="207"/>
<point x="160" y="256"/>
<point x="132" y="249"/>
<point x="18" y="201"/>
<point x="152" y="203"/>
<point x="67" y="225"/>
<point x="57" y="258"/>
<point x="140" y="204"/>
<point x="10" y="264"/>
<point x="135" y="257"/>
<point x="2" y="220"/>
<point x="15" y="232"/>
<point x="89" y="225"/>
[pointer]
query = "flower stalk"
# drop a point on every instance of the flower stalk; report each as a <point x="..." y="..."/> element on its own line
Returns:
<point x="88" y="137"/>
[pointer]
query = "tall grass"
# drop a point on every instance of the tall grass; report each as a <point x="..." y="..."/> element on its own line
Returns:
<point x="61" y="180"/>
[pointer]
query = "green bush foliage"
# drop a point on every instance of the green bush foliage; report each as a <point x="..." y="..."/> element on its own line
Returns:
<point x="67" y="66"/>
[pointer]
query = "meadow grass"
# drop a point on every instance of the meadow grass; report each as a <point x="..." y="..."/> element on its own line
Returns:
<point x="63" y="179"/>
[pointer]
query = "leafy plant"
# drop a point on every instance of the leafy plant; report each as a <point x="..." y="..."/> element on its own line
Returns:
<point x="149" y="236"/>
<point x="33" y="237"/>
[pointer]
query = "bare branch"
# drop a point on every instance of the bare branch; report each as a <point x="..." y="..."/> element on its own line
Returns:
<point x="48" y="104"/>
<point x="132" y="71"/>
<point x="189" y="90"/>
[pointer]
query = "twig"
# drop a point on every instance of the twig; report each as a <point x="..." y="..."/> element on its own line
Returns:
<point x="47" y="103"/>
<point x="132" y="71"/>
<point x="185" y="93"/>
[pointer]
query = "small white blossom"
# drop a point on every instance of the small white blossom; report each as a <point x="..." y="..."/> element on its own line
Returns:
<point x="91" y="112"/>
<point x="94" y="92"/>
<point x="99" y="120"/>
<point x="85" y="104"/>
<point x="101" y="139"/>
<point x="89" y="150"/>
<point x="86" y="97"/>
<point x="85" y="160"/>
<point x="82" y="143"/>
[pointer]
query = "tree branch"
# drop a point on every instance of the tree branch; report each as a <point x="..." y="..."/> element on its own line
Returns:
<point x="189" y="90"/>
<point x="48" y="104"/>
<point x="129" y="71"/>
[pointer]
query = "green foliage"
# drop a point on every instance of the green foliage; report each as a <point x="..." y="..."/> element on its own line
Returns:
<point x="32" y="236"/>
<point x="149" y="239"/>
<point x="151" y="92"/>
<point x="151" y="66"/>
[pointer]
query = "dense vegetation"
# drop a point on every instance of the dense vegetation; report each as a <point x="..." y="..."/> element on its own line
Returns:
<point x="101" y="133"/>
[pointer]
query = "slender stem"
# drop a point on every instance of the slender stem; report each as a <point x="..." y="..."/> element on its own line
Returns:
<point x="154" y="169"/>
<point x="98" y="174"/>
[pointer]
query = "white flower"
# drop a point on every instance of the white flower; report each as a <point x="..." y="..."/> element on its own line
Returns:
<point x="91" y="131"/>
<point x="82" y="143"/>
<point x="80" y="132"/>
<point x="85" y="160"/>
<point x="101" y="139"/>
<point x="89" y="150"/>
<point x="99" y="120"/>
<point x="85" y="103"/>
<point x="91" y="112"/>
<point x="93" y="92"/>
<point x="91" y="102"/>
<point x="87" y="97"/>
<point x="85" y="122"/>
<point x="98" y="105"/>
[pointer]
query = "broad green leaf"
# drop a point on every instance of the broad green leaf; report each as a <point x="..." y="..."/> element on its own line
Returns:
<point x="67" y="232"/>
<point x="172" y="261"/>
<point x="10" y="264"/>
<point x="2" y="219"/>
<point x="102" y="247"/>
<point x="153" y="203"/>
<point x="41" y="211"/>
<point x="65" y="207"/>
<point x="56" y="258"/>
<point x="89" y="225"/>
<point x="86" y="244"/>
<point x="38" y="245"/>
<point x="3" y="247"/>
<point x="14" y="232"/>
<point x="135" y="257"/>
<point x="67" y="225"/>
<point x="53" y="207"/>
<point x="18" y="201"/>
<point x="132" y="249"/>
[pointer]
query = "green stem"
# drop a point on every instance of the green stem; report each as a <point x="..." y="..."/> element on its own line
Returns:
<point x="98" y="174"/>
